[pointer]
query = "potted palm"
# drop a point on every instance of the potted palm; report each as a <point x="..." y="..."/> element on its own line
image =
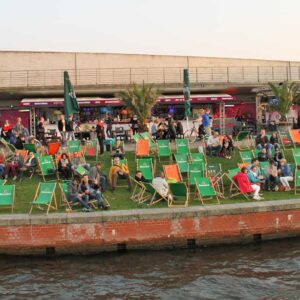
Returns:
<point x="287" y="95"/>
<point x="140" y="99"/>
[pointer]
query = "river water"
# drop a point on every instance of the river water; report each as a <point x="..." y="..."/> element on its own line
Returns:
<point x="270" y="270"/>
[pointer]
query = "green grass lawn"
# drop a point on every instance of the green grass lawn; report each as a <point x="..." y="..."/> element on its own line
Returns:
<point x="120" y="199"/>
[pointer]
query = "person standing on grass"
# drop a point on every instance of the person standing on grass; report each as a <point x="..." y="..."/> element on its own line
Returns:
<point x="62" y="129"/>
<point x="100" y="135"/>
<point x="206" y="122"/>
<point x="70" y="129"/>
<point x="285" y="173"/>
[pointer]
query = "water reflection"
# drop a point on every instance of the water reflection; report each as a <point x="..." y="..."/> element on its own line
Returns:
<point x="269" y="270"/>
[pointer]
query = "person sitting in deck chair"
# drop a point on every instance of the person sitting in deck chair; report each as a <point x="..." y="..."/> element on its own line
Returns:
<point x="92" y="191"/>
<point x="285" y="173"/>
<point x="160" y="184"/>
<point x="75" y="195"/>
<point x="244" y="184"/>
<point x="118" y="170"/>
<point x="263" y="155"/>
<point x="262" y="141"/>
<point x="97" y="176"/>
<point x="214" y="144"/>
<point x="65" y="166"/>
<point x="139" y="177"/>
<point x="29" y="164"/>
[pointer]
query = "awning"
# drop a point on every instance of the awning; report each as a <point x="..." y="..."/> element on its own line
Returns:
<point x="96" y="101"/>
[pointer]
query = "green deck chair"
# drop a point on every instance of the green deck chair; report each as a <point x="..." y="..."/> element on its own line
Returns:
<point x="182" y="162"/>
<point x="182" y="146"/>
<point x="7" y="196"/>
<point x="198" y="157"/>
<point x="155" y="196"/>
<point x="146" y="167"/>
<point x="255" y="152"/>
<point x="263" y="167"/>
<point x="73" y="146"/>
<point x="164" y="150"/>
<point x="205" y="189"/>
<point x="47" y="166"/>
<point x="243" y="140"/>
<point x="246" y="156"/>
<point x="30" y="147"/>
<point x="195" y="170"/>
<point x="297" y="182"/>
<point x="2" y="181"/>
<point x="44" y="196"/>
<point x="136" y="137"/>
<point x="296" y="155"/>
<point x="63" y="186"/>
<point x="180" y="195"/>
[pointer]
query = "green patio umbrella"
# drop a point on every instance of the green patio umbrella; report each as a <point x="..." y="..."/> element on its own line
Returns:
<point x="186" y="93"/>
<point x="71" y="106"/>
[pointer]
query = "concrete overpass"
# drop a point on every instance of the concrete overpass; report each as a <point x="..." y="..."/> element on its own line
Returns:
<point x="29" y="74"/>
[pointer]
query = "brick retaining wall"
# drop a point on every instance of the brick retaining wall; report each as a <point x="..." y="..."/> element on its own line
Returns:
<point x="61" y="233"/>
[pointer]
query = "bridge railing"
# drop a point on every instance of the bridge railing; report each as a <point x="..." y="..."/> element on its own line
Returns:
<point x="162" y="76"/>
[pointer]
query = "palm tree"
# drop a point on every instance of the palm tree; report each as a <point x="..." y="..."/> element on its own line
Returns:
<point x="140" y="100"/>
<point x="287" y="95"/>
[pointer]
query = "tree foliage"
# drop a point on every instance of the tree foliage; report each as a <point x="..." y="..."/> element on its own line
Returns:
<point x="140" y="99"/>
<point x="287" y="95"/>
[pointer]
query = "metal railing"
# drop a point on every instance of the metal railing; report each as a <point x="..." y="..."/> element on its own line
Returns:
<point x="161" y="76"/>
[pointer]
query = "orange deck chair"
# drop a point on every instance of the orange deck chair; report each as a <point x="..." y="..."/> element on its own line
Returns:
<point x="295" y="135"/>
<point x="172" y="173"/>
<point x="53" y="148"/>
<point x="142" y="148"/>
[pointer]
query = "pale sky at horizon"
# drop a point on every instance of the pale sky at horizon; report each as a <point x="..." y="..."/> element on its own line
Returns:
<point x="265" y="29"/>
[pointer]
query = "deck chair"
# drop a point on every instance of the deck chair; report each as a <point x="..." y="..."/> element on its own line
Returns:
<point x="30" y="147"/>
<point x="7" y="196"/>
<point x="146" y="136"/>
<point x="9" y="151"/>
<point x="198" y="157"/>
<point x="182" y="146"/>
<point x="234" y="189"/>
<point x="45" y="196"/>
<point x="205" y="189"/>
<point x="295" y="135"/>
<point x="2" y="181"/>
<point x="142" y="148"/>
<point x="155" y="196"/>
<point x="243" y="140"/>
<point x="246" y="156"/>
<point x="182" y="162"/>
<point x="263" y="167"/>
<point x="136" y="137"/>
<point x="47" y="166"/>
<point x="123" y="161"/>
<point x="216" y="175"/>
<point x="285" y="139"/>
<point x="23" y="153"/>
<point x="91" y="149"/>
<point x="145" y="165"/>
<point x="180" y="195"/>
<point x="195" y="170"/>
<point x="53" y="148"/>
<point x="297" y="182"/>
<point x="138" y="192"/>
<point x="63" y="187"/>
<point x="164" y="151"/>
<point x="73" y="146"/>
<point x="172" y="173"/>
<point x="296" y="155"/>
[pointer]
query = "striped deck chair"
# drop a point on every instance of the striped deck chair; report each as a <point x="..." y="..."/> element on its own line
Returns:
<point x="172" y="173"/>
<point x="7" y="196"/>
<point x="45" y="196"/>
<point x="205" y="189"/>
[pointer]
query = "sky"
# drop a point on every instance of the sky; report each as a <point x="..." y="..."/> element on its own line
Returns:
<point x="265" y="29"/>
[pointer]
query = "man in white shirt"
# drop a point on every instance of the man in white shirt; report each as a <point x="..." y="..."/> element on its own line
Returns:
<point x="160" y="184"/>
<point x="214" y="144"/>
